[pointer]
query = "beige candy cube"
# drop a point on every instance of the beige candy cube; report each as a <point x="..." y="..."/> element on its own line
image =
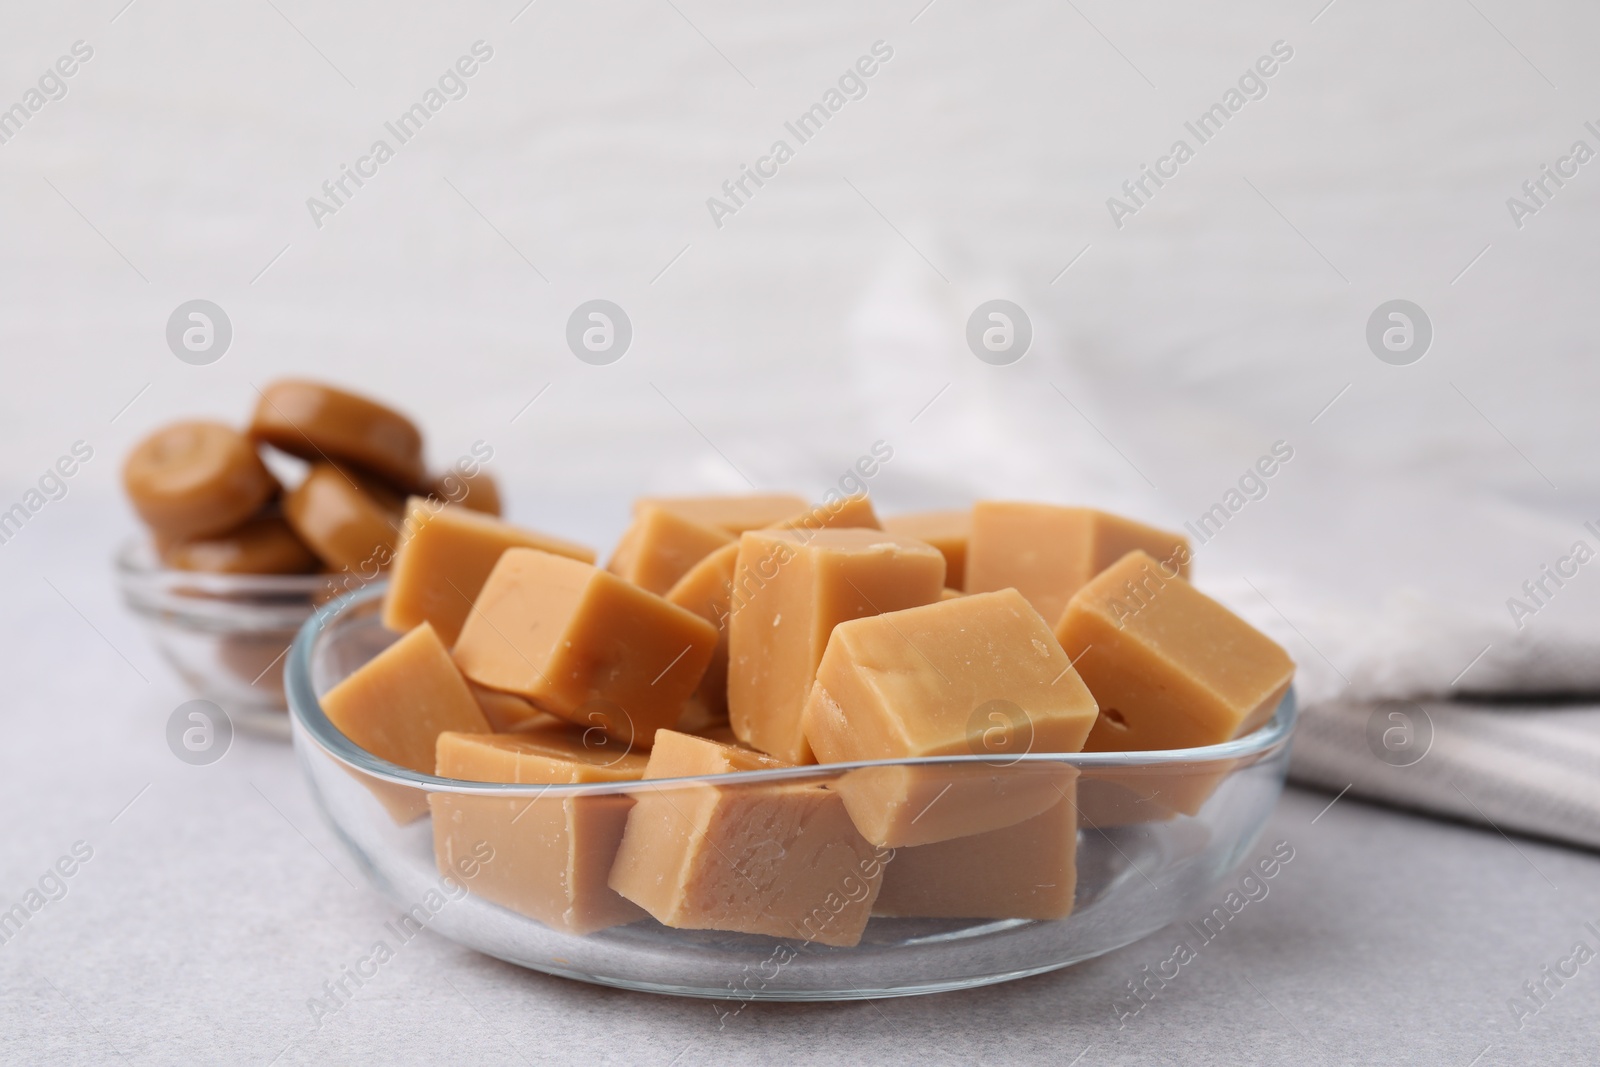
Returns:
<point x="978" y="675"/>
<point x="791" y="588"/>
<point x="583" y="644"/>
<point x="781" y="859"/>
<point x="445" y="556"/>
<point x="550" y="856"/>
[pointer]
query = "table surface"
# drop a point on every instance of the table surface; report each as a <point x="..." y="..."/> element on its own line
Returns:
<point x="216" y="903"/>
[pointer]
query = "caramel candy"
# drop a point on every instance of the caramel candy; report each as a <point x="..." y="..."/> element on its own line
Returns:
<point x="476" y="491"/>
<point x="897" y="805"/>
<point x="551" y="854"/>
<point x="319" y="422"/>
<point x="980" y="675"/>
<point x="1047" y="553"/>
<point x="735" y="514"/>
<point x="583" y="644"/>
<point x="910" y="683"/>
<point x="262" y="545"/>
<point x="508" y="713"/>
<point x="1024" y="871"/>
<point x="196" y="479"/>
<point x="707" y="590"/>
<point x="661" y="546"/>
<point x="948" y="531"/>
<point x="791" y="588"/>
<point x="383" y="493"/>
<point x="397" y="703"/>
<point x="553" y="753"/>
<point x="1124" y="796"/>
<point x="850" y="512"/>
<point x="696" y="718"/>
<point x="342" y="519"/>
<point x="1169" y="666"/>
<point x="721" y="733"/>
<point x="445" y="555"/>
<point x="780" y="859"/>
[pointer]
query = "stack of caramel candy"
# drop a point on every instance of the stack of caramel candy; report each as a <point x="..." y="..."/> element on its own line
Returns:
<point x="212" y="504"/>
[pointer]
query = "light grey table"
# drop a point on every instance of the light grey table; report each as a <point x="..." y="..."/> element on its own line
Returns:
<point x="216" y="904"/>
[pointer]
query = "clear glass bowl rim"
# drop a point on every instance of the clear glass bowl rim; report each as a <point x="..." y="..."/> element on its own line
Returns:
<point x="140" y="571"/>
<point x="306" y="711"/>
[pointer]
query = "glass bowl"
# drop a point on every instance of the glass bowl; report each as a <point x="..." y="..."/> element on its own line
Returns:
<point x="227" y="635"/>
<point x="1129" y="842"/>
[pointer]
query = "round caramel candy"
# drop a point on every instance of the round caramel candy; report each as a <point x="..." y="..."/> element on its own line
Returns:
<point x="319" y="422"/>
<point x="477" y="491"/>
<point x="196" y="479"/>
<point x="383" y="493"/>
<point x="338" y="516"/>
<point x="262" y="545"/>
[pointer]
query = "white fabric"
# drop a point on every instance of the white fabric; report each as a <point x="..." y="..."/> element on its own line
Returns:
<point x="1528" y="770"/>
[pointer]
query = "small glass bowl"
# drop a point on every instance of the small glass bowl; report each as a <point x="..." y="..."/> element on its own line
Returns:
<point x="227" y="635"/>
<point x="1153" y="836"/>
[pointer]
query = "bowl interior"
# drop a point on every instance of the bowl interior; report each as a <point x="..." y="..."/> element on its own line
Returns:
<point x="227" y="635"/>
<point x="1137" y="841"/>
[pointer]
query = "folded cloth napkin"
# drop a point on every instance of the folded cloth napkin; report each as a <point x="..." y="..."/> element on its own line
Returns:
<point x="1521" y="768"/>
<point x="1459" y="688"/>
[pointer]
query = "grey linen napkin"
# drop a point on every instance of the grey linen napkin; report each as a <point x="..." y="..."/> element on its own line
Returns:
<point x="1521" y="768"/>
<point x="1469" y="688"/>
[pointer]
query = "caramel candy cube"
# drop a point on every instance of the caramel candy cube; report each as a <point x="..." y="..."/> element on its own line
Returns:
<point x="791" y="588"/>
<point x="583" y="644"/>
<point x="948" y="531"/>
<point x="897" y="806"/>
<point x="398" y="703"/>
<point x="1024" y="871"/>
<point x="781" y="859"/>
<point x="910" y="682"/>
<point x="844" y="513"/>
<point x="980" y="675"/>
<point x="735" y="514"/>
<point x="721" y="733"/>
<point x="554" y="752"/>
<point x="548" y="856"/>
<point x="707" y="590"/>
<point x="1124" y="796"/>
<point x="445" y="555"/>
<point x="1169" y="666"/>
<point x="695" y="719"/>
<point x="662" y="546"/>
<point x="508" y="713"/>
<point x="1047" y="553"/>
